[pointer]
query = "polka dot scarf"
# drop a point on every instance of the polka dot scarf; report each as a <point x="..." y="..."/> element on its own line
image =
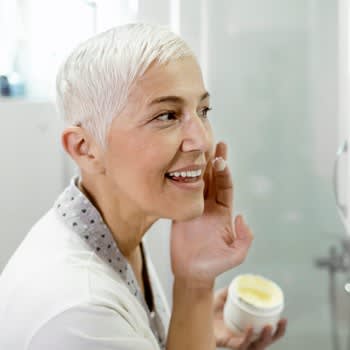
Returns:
<point x="78" y="213"/>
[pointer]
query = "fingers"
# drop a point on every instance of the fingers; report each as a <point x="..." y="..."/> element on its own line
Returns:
<point x="242" y="231"/>
<point x="221" y="150"/>
<point x="264" y="340"/>
<point x="267" y="338"/>
<point x="209" y="186"/>
<point x="240" y="342"/>
<point x="247" y="340"/>
<point x="221" y="295"/>
<point x="241" y="242"/>
<point x="281" y="330"/>
<point x="222" y="177"/>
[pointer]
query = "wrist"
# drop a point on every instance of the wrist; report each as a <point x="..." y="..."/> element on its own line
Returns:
<point x="193" y="286"/>
<point x="192" y="324"/>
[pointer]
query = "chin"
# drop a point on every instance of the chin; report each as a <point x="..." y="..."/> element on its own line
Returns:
<point x="187" y="213"/>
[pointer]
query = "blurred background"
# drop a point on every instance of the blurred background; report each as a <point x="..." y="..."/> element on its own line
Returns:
<point x="278" y="73"/>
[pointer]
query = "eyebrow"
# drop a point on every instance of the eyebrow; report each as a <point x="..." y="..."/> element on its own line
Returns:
<point x="176" y="99"/>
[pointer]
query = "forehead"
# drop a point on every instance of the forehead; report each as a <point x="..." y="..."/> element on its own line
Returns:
<point x="181" y="77"/>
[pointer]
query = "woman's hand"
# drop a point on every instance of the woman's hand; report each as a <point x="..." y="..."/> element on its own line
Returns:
<point x="226" y="338"/>
<point x="206" y="246"/>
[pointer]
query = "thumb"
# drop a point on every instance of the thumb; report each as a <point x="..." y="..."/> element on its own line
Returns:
<point x="221" y="294"/>
<point x="242" y="241"/>
<point x="242" y="230"/>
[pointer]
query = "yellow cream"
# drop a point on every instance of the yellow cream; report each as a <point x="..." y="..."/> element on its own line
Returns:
<point x="258" y="291"/>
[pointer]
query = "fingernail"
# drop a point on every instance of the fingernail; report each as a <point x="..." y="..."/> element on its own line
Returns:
<point x="219" y="164"/>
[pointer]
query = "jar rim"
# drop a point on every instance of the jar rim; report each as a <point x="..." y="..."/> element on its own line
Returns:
<point x="257" y="309"/>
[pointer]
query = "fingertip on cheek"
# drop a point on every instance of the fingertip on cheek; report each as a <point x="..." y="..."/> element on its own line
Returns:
<point x="219" y="163"/>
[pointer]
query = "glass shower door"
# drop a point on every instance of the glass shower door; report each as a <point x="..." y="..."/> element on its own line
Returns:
<point x="272" y="69"/>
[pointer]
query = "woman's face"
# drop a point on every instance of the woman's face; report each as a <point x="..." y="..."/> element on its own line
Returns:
<point x="162" y="129"/>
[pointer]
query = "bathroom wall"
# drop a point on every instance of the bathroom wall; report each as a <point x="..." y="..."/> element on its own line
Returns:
<point x="32" y="168"/>
<point x="273" y="68"/>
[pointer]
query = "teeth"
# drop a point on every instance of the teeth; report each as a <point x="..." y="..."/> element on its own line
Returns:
<point x="193" y="173"/>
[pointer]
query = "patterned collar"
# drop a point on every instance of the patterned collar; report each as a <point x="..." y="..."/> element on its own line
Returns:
<point x="80" y="215"/>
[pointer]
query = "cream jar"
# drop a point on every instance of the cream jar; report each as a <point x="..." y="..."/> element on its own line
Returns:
<point x="254" y="301"/>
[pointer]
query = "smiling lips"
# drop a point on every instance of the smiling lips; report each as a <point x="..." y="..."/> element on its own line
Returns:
<point x="189" y="174"/>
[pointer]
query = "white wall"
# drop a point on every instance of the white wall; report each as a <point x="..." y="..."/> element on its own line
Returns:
<point x="32" y="168"/>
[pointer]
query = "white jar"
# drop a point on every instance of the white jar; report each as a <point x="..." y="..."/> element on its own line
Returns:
<point x="253" y="301"/>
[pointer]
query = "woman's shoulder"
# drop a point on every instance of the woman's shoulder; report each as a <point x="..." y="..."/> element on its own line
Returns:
<point x="55" y="274"/>
<point x="90" y="326"/>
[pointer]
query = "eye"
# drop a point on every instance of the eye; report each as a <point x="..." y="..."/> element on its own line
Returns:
<point x="166" y="117"/>
<point x="204" y="112"/>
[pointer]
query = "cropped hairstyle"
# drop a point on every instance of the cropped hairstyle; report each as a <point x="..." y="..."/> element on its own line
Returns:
<point x="94" y="82"/>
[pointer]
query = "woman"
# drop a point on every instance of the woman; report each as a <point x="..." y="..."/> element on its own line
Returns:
<point x="135" y="108"/>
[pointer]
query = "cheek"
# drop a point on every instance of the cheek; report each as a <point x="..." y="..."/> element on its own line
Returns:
<point x="211" y="140"/>
<point x="121" y="159"/>
<point x="145" y="160"/>
<point x="157" y="153"/>
<point x="212" y="145"/>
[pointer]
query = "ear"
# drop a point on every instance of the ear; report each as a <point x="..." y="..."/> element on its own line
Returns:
<point x="83" y="150"/>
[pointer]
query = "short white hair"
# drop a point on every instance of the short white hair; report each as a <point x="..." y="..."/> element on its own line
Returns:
<point x="94" y="82"/>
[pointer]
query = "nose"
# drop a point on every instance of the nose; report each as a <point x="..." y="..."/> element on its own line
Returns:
<point x="197" y="134"/>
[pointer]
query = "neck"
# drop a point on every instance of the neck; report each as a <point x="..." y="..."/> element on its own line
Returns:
<point x="127" y="224"/>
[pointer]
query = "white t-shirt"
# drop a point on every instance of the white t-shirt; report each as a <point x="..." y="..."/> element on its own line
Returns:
<point x="68" y="287"/>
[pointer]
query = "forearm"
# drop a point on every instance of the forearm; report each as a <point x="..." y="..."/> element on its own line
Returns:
<point x="191" y="324"/>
